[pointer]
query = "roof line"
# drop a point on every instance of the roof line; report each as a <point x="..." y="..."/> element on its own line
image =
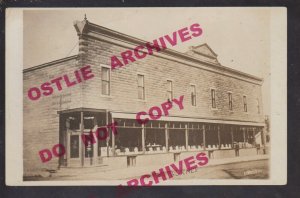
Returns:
<point x="135" y="40"/>
<point x="50" y="63"/>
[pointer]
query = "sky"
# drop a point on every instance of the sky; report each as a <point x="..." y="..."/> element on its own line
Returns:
<point x="239" y="36"/>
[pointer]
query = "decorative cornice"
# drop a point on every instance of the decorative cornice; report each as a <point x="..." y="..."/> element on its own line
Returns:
<point x="86" y="27"/>
<point x="80" y="26"/>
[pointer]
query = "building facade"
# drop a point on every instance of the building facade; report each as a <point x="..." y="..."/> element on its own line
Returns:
<point x="222" y="106"/>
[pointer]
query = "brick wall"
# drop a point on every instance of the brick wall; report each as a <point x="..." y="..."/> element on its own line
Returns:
<point x="157" y="71"/>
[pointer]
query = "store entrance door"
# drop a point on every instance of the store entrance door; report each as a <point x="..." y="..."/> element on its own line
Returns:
<point x="80" y="154"/>
<point x="74" y="149"/>
<point x="74" y="126"/>
<point x="89" y="150"/>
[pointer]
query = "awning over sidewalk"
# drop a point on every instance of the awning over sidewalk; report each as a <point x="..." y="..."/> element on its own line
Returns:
<point x="187" y="119"/>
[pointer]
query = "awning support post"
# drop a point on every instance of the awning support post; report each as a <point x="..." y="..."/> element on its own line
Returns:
<point x="186" y="137"/>
<point x="204" y="142"/>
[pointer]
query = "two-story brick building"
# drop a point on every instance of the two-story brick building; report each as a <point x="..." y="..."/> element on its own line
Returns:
<point x="222" y="106"/>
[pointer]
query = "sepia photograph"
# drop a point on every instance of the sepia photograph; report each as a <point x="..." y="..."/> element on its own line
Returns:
<point x="150" y="96"/>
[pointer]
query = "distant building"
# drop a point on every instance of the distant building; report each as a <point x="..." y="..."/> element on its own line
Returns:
<point x="222" y="106"/>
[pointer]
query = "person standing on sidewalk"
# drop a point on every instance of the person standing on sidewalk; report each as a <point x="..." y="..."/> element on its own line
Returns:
<point x="257" y="148"/>
<point x="236" y="148"/>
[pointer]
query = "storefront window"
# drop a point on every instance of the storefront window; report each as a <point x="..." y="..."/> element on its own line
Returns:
<point x="74" y="122"/>
<point x="89" y="122"/>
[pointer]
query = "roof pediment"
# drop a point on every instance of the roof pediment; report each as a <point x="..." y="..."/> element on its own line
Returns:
<point x="205" y="50"/>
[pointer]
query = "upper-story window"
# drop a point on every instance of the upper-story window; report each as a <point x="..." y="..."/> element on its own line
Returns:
<point x="193" y="95"/>
<point x="170" y="89"/>
<point x="213" y="98"/>
<point x="245" y="103"/>
<point x="105" y="77"/>
<point x="141" y="87"/>
<point x="258" y="107"/>
<point x="230" y="100"/>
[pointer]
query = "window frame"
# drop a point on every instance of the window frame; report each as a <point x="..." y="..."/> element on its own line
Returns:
<point x="143" y="87"/>
<point x="108" y="81"/>
<point x="172" y="89"/>
<point x="213" y="99"/>
<point x="191" y="86"/>
<point x="245" y="104"/>
<point x="230" y="100"/>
